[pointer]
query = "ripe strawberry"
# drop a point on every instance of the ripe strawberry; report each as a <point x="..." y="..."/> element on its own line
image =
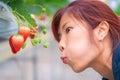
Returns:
<point x="32" y="35"/>
<point x="16" y="42"/>
<point x="42" y="17"/>
<point x="25" y="32"/>
<point x="36" y="28"/>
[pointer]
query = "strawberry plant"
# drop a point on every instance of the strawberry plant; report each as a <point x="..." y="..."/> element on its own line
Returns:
<point x="31" y="16"/>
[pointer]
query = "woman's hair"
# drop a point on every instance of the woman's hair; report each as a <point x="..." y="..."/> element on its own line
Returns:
<point x="92" y="12"/>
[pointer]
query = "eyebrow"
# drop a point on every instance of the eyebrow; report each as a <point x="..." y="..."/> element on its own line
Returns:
<point x="64" y="25"/>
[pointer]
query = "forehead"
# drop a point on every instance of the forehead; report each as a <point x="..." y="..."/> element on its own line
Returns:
<point x="64" y="19"/>
<point x="68" y="18"/>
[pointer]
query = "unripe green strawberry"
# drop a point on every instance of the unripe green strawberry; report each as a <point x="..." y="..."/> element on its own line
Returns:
<point x="34" y="42"/>
<point x="43" y="26"/>
<point x="44" y="31"/>
<point x="45" y="45"/>
<point x="40" y="40"/>
<point x="43" y="9"/>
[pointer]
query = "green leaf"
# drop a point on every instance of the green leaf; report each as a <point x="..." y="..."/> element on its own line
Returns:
<point x="19" y="7"/>
<point x="35" y="9"/>
<point x="27" y="7"/>
<point x="117" y="11"/>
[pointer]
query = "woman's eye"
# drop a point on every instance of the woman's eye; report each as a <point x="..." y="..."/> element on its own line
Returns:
<point x="67" y="29"/>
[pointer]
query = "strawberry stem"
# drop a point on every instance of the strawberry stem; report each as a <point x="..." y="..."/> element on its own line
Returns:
<point x="17" y="19"/>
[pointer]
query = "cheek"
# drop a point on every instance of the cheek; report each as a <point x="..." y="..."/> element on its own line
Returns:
<point x="81" y="52"/>
<point x="79" y="49"/>
<point x="79" y="46"/>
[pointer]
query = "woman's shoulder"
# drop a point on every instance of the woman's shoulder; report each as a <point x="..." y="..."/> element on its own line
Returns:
<point x="116" y="63"/>
<point x="116" y="54"/>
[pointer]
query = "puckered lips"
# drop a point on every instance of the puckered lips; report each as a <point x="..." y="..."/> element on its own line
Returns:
<point x="64" y="59"/>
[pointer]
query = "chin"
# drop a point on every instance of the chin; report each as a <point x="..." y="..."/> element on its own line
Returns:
<point x="78" y="69"/>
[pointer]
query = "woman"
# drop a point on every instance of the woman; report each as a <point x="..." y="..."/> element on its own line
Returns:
<point x="88" y="35"/>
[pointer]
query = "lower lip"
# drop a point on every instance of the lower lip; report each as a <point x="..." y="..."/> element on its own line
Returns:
<point x="64" y="59"/>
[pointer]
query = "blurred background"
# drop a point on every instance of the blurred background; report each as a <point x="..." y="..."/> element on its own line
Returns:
<point x="37" y="62"/>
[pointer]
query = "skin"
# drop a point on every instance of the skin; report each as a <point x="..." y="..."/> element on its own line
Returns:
<point x="85" y="47"/>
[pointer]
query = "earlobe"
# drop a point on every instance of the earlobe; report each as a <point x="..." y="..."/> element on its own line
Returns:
<point x="100" y="38"/>
<point x="102" y="30"/>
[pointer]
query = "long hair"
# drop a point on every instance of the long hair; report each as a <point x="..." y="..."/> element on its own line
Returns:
<point x="92" y="12"/>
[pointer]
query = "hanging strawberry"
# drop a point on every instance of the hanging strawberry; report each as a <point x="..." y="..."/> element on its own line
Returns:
<point x="42" y="17"/>
<point x="16" y="42"/>
<point x="45" y="45"/>
<point x="24" y="31"/>
<point x="43" y="27"/>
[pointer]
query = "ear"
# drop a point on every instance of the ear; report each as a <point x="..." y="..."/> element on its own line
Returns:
<point x="101" y="30"/>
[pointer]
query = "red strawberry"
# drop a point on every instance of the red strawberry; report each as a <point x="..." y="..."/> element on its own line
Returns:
<point x="42" y="17"/>
<point x="32" y="35"/>
<point x="36" y="28"/>
<point x="16" y="42"/>
<point x="25" y="32"/>
<point x="11" y="45"/>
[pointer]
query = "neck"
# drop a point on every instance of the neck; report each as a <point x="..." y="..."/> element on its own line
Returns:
<point x="103" y="63"/>
<point x="105" y="69"/>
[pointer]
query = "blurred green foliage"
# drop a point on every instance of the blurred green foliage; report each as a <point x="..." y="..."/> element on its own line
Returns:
<point x="117" y="11"/>
<point x="36" y="7"/>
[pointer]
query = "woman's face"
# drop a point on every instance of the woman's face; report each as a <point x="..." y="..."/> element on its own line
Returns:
<point x="77" y="45"/>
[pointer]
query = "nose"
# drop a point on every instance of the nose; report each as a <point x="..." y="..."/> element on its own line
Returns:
<point x="61" y="45"/>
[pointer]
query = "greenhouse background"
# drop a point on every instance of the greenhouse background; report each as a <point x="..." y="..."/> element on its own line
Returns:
<point x="37" y="62"/>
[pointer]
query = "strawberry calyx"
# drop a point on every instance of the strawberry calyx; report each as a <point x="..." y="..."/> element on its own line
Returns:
<point x="33" y="32"/>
